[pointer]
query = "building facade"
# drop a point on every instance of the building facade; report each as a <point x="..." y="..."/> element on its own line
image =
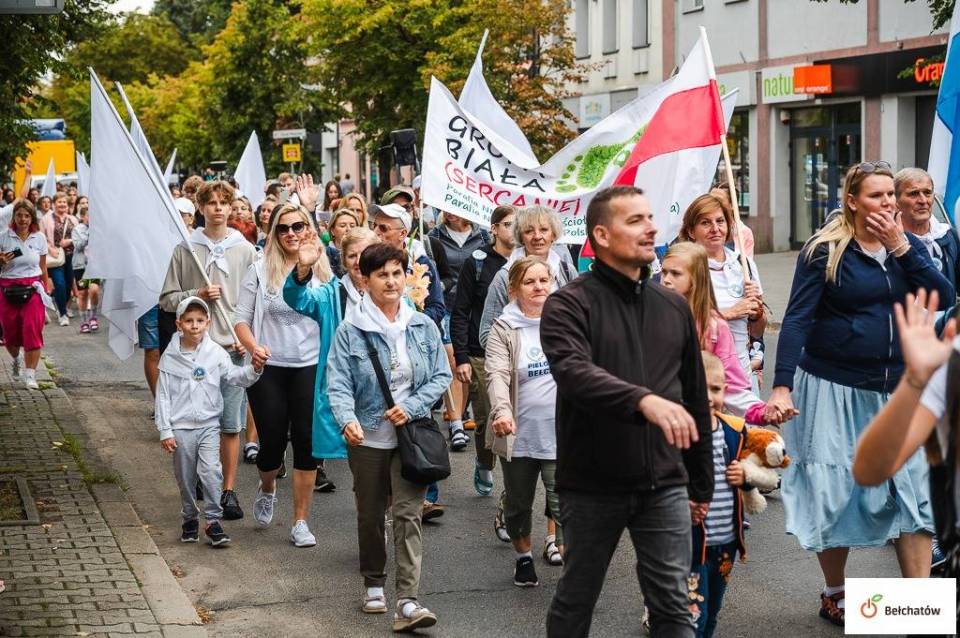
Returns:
<point x="822" y="86"/>
<point x="623" y="40"/>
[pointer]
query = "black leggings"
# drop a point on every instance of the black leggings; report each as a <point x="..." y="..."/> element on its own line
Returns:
<point x="282" y="404"/>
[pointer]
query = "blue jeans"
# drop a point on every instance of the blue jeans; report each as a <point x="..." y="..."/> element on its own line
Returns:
<point x="62" y="283"/>
<point x="712" y="578"/>
<point x="659" y="525"/>
<point x="433" y="493"/>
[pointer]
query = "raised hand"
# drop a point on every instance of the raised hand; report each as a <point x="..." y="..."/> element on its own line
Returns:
<point x="307" y="191"/>
<point x="309" y="251"/>
<point x="923" y="351"/>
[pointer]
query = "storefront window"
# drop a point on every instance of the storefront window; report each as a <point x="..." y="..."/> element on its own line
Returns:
<point x="738" y="143"/>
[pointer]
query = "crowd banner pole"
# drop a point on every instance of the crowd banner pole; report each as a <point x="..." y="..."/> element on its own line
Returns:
<point x="174" y="215"/>
<point x="737" y="239"/>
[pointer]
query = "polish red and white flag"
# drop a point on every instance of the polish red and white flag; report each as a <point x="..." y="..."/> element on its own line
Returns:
<point x="666" y="141"/>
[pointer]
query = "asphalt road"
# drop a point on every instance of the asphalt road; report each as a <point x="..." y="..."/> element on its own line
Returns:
<point x="263" y="586"/>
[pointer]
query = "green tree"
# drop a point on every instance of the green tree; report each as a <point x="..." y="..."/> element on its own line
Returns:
<point x="32" y="46"/>
<point x="128" y="50"/>
<point x="375" y="57"/>
<point x="197" y="21"/>
<point x="529" y="62"/>
<point x="255" y="80"/>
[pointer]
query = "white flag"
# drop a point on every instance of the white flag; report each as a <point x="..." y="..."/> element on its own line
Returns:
<point x="477" y="100"/>
<point x="130" y="245"/>
<point x="50" y="182"/>
<point x="83" y="175"/>
<point x="250" y="175"/>
<point x="168" y="172"/>
<point x="140" y="140"/>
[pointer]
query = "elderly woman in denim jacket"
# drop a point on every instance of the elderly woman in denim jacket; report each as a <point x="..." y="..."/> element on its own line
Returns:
<point x="409" y="347"/>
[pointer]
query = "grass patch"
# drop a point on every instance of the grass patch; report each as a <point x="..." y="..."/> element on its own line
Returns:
<point x="11" y="505"/>
<point x="90" y="476"/>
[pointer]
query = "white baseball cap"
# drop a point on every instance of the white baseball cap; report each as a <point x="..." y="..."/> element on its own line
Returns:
<point x="395" y="211"/>
<point x="187" y="303"/>
<point x="184" y="205"/>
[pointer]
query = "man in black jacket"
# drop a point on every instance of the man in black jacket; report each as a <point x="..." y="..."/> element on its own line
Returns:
<point x="634" y="444"/>
<point x="475" y="276"/>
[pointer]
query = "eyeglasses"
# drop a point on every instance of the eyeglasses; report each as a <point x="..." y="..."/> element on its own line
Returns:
<point x="872" y="167"/>
<point x="507" y="225"/>
<point x="383" y="228"/>
<point x="296" y="228"/>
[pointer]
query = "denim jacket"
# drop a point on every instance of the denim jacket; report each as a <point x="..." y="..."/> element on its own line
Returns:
<point x="352" y="384"/>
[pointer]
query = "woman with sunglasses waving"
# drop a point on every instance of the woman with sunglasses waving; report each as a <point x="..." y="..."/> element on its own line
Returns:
<point x="708" y="221"/>
<point x="283" y="399"/>
<point x="839" y="331"/>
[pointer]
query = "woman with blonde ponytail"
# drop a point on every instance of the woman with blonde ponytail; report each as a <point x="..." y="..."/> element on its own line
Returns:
<point x="839" y="330"/>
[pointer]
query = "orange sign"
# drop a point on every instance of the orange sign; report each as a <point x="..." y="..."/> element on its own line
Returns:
<point x="814" y="79"/>
<point x="925" y="73"/>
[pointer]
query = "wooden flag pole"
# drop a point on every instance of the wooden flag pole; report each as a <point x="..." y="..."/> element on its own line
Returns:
<point x="737" y="240"/>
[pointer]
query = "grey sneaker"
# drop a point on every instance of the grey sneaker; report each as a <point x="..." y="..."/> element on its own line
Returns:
<point x="300" y="535"/>
<point x="263" y="505"/>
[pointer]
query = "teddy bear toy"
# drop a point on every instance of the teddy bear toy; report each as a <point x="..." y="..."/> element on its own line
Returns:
<point x="763" y="452"/>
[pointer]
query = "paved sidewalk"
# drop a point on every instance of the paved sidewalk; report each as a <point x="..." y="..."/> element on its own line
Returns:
<point x="88" y="566"/>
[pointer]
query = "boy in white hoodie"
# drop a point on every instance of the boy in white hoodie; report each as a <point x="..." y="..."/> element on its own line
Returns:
<point x="188" y="409"/>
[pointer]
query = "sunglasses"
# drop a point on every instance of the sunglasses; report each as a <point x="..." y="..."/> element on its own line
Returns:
<point x="872" y="167"/>
<point x="383" y="228"/>
<point x="296" y="228"/>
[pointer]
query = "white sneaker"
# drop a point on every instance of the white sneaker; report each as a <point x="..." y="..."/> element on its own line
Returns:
<point x="263" y="505"/>
<point x="18" y="366"/>
<point x="300" y="535"/>
<point x="70" y="313"/>
<point x="64" y="320"/>
<point x="30" y="379"/>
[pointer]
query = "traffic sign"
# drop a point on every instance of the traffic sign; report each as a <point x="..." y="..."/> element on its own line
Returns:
<point x="291" y="153"/>
<point x="290" y="134"/>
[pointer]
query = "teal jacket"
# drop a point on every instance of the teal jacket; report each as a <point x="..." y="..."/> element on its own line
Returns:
<point x="323" y="306"/>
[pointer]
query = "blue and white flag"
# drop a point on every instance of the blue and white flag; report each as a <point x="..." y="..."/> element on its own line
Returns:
<point x="944" y="164"/>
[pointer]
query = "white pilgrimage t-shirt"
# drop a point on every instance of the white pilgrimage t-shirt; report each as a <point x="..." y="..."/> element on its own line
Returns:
<point x="536" y="399"/>
<point x="28" y="263"/>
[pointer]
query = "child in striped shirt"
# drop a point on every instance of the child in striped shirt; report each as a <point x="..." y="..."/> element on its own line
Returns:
<point x="718" y="530"/>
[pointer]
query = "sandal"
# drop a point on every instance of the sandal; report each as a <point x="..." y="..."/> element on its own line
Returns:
<point x="94" y="325"/>
<point x="374" y="604"/>
<point x="829" y="609"/>
<point x="552" y="555"/>
<point x="250" y="452"/>
<point x="84" y="328"/>
<point x="498" y="525"/>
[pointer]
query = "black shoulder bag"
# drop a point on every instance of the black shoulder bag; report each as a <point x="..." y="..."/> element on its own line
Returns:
<point x="423" y="448"/>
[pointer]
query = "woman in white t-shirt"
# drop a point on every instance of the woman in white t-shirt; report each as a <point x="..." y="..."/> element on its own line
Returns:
<point x="708" y="221"/>
<point x="523" y="398"/>
<point x="916" y="408"/>
<point x="23" y="269"/>
<point x="282" y="400"/>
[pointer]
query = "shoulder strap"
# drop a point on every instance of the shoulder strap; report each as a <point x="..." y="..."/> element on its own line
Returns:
<point x="737" y="424"/>
<point x="378" y="369"/>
